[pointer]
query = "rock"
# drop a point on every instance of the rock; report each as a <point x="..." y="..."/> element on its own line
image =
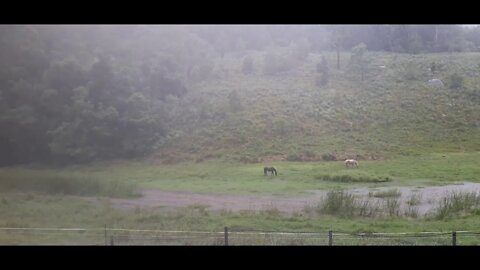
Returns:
<point x="435" y="82"/>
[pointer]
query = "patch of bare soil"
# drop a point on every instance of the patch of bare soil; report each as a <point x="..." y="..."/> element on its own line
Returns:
<point x="157" y="198"/>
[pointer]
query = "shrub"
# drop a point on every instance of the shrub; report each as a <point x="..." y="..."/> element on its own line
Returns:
<point x="455" y="203"/>
<point x="294" y="157"/>
<point x="455" y="81"/>
<point x="338" y="203"/>
<point x="51" y="183"/>
<point x="411" y="72"/>
<point x="386" y="194"/>
<point x="329" y="157"/>
<point x="350" y="178"/>
<point x="309" y="154"/>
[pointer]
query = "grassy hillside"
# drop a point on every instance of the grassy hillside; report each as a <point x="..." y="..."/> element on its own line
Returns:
<point x="393" y="111"/>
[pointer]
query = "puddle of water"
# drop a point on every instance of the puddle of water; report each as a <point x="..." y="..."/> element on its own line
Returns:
<point x="427" y="196"/>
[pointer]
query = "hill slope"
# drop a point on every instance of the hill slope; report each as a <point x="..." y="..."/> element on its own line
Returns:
<point x="393" y="111"/>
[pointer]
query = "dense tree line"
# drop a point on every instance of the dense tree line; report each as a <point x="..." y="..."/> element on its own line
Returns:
<point x="390" y="38"/>
<point x="83" y="92"/>
<point x="78" y="93"/>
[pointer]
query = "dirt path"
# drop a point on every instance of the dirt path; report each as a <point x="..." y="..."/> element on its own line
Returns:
<point x="158" y="198"/>
<point x="429" y="197"/>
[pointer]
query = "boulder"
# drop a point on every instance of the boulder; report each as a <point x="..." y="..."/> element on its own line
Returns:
<point x="435" y="82"/>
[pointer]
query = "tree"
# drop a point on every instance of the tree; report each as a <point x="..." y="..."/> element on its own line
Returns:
<point x="433" y="68"/>
<point x="338" y="38"/>
<point x="323" y="68"/>
<point x="358" y="59"/>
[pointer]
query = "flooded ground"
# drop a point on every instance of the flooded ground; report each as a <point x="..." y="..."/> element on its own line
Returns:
<point x="423" y="199"/>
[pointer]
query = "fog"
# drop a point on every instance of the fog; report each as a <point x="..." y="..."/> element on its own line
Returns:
<point x="78" y="93"/>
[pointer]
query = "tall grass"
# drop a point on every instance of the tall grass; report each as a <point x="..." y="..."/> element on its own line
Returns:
<point x="353" y="178"/>
<point x="67" y="184"/>
<point x="346" y="205"/>
<point x="393" y="193"/>
<point x="456" y="203"/>
<point x="339" y="203"/>
<point x="318" y="124"/>
<point x="392" y="205"/>
<point x="414" y="199"/>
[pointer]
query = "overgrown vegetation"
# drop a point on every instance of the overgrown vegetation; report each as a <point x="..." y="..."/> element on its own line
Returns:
<point x="385" y="194"/>
<point x="353" y="178"/>
<point x="456" y="204"/>
<point x="346" y="205"/>
<point x="55" y="183"/>
<point x="72" y="94"/>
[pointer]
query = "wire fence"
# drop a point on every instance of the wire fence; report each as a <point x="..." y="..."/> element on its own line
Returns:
<point x="113" y="237"/>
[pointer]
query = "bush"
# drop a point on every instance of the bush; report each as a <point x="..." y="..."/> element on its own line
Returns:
<point x="53" y="183"/>
<point x="294" y="157"/>
<point x="351" y="178"/>
<point x="411" y="72"/>
<point x="339" y="203"/>
<point x="392" y="206"/>
<point x="248" y="159"/>
<point x="329" y="157"/>
<point x="309" y="154"/>
<point x="455" y="203"/>
<point x="386" y="194"/>
<point x="456" y="81"/>
<point x="323" y="69"/>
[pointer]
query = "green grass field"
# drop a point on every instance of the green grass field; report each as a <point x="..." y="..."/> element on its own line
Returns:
<point x="26" y="205"/>
<point x="47" y="211"/>
<point x="294" y="178"/>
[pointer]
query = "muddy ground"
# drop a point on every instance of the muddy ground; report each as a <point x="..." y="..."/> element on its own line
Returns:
<point x="428" y="199"/>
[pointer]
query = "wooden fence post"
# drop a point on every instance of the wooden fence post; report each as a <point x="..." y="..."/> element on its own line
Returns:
<point x="454" y="238"/>
<point x="226" y="236"/>
<point x="111" y="240"/>
<point x="330" y="238"/>
<point x="106" y="241"/>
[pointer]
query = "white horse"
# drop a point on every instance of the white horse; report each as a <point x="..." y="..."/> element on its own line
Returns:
<point x="351" y="163"/>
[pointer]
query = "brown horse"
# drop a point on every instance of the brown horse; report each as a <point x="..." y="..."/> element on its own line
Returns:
<point x="269" y="169"/>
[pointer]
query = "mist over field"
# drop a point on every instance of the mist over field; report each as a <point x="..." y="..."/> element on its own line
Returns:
<point x="178" y="127"/>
